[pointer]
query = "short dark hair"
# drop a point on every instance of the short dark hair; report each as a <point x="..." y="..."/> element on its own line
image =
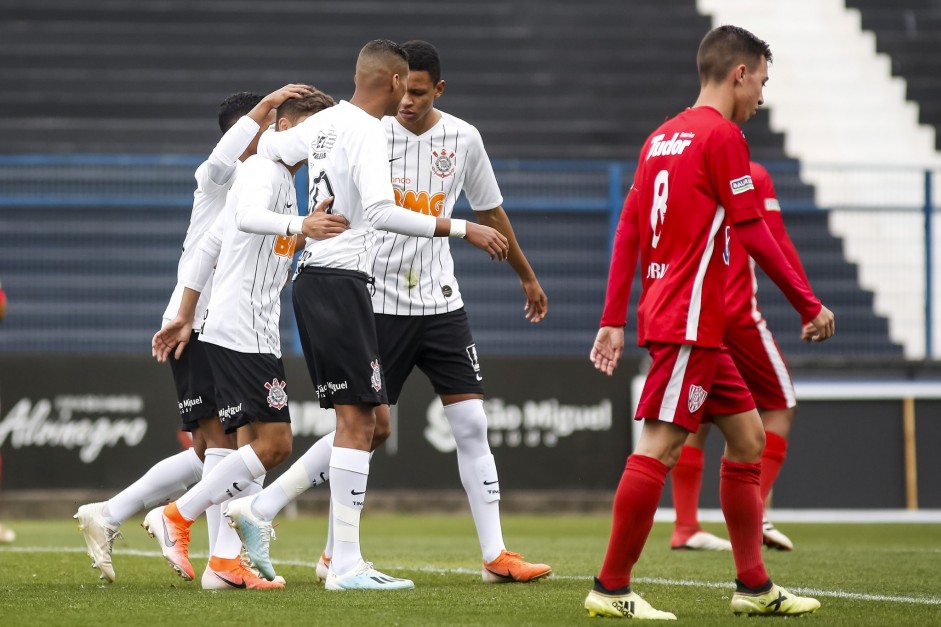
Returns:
<point x="384" y="46"/>
<point x="725" y="47"/>
<point x="423" y="57"/>
<point x="235" y="106"/>
<point x="293" y="108"/>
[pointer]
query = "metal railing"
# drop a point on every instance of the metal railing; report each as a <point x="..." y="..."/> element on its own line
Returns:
<point x="93" y="207"/>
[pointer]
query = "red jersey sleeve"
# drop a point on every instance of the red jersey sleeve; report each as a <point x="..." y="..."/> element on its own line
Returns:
<point x="759" y="243"/>
<point x="764" y="185"/>
<point x="623" y="265"/>
<point x="730" y="173"/>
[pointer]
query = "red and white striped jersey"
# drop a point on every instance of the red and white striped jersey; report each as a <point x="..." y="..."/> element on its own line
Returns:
<point x="415" y="275"/>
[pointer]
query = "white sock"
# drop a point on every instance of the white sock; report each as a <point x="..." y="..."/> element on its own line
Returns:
<point x="313" y="468"/>
<point x="230" y="478"/>
<point x="228" y="544"/>
<point x="214" y="512"/>
<point x="349" y="473"/>
<point x="164" y="480"/>
<point x="478" y="473"/>
<point x="328" y="549"/>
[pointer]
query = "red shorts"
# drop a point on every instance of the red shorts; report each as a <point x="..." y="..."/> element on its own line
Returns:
<point x="687" y="384"/>
<point x="759" y="360"/>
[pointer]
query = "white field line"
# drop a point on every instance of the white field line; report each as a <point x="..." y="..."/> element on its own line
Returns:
<point x="659" y="581"/>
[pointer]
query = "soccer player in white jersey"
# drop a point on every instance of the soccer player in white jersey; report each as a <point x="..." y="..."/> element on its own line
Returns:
<point x="241" y="338"/>
<point x="420" y="317"/>
<point x="242" y="116"/>
<point x="345" y="148"/>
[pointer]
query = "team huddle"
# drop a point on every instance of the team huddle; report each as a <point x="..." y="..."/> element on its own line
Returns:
<point x="374" y="295"/>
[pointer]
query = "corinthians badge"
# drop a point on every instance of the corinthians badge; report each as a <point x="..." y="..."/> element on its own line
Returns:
<point x="442" y="163"/>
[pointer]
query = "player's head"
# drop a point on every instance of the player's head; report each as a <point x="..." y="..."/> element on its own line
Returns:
<point x="424" y="81"/>
<point x="733" y="58"/>
<point x="293" y="111"/>
<point x="235" y="106"/>
<point x="382" y="70"/>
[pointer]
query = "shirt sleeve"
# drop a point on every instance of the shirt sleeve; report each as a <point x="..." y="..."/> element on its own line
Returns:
<point x="387" y="216"/>
<point x="196" y="272"/>
<point x="623" y="264"/>
<point x="288" y="146"/>
<point x="727" y="164"/>
<point x="480" y="183"/>
<point x="256" y="190"/>
<point x="225" y="155"/>
<point x="369" y="165"/>
<point x="759" y="243"/>
<point x="771" y="209"/>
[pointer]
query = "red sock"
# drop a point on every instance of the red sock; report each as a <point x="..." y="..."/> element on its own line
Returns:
<point x="635" y="504"/>
<point x="740" y="496"/>
<point x="686" y="477"/>
<point x="772" y="458"/>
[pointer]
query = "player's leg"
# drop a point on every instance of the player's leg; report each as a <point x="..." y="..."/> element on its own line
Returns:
<point x="686" y="478"/>
<point x="171" y="476"/>
<point x="758" y="358"/>
<point x="671" y="406"/>
<point x="343" y="355"/>
<point x="733" y="413"/>
<point x="243" y="401"/>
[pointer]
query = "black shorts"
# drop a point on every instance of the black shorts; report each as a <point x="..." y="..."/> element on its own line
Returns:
<point x="195" y="390"/>
<point x="338" y="334"/>
<point x="249" y="387"/>
<point x="441" y="345"/>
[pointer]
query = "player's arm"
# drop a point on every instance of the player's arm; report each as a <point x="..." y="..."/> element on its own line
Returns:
<point x="289" y="146"/>
<point x="609" y="343"/>
<point x="761" y="245"/>
<point x="256" y="193"/>
<point x="237" y="139"/>
<point x="371" y="178"/>
<point x="537" y="303"/>
<point x="175" y="335"/>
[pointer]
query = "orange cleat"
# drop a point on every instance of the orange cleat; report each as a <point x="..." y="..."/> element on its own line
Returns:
<point x="509" y="567"/>
<point x="234" y="574"/>
<point x="172" y="533"/>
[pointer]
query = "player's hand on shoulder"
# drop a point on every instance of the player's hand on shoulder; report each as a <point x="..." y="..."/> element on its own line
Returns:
<point x="322" y="225"/>
<point x="820" y="328"/>
<point x="537" y="303"/>
<point x="488" y="240"/>
<point x="276" y="98"/>
<point x="175" y="335"/>
<point x="607" y="349"/>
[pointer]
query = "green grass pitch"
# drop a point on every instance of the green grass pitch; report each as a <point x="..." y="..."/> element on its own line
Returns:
<point x="864" y="574"/>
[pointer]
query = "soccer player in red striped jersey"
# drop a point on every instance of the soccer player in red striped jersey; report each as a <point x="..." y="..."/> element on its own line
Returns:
<point x="758" y="358"/>
<point x="692" y="187"/>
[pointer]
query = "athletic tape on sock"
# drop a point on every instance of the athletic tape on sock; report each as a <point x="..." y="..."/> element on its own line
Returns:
<point x="486" y="469"/>
<point x="295" y="481"/>
<point x="345" y="513"/>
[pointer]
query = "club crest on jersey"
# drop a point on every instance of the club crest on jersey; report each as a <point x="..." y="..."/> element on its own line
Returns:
<point x="277" y="397"/>
<point x="324" y="143"/>
<point x="742" y="184"/>
<point x="442" y="163"/>
<point x="697" y="396"/>
<point x="376" y="379"/>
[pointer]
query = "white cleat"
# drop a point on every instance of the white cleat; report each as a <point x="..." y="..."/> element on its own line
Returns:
<point x="99" y="537"/>
<point x="629" y="605"/>
<point x="704" y="541"/>
<point x="365" y="577"/>
<point x="256" y="534"/>
<point x="774" y="539"/>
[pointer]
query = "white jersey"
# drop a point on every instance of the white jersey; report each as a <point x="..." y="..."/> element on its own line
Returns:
<point x="415" y="275"/>
<point x="244" y="313"/>
<point x="214" y="177"/>
<point x="345" y="148"/>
